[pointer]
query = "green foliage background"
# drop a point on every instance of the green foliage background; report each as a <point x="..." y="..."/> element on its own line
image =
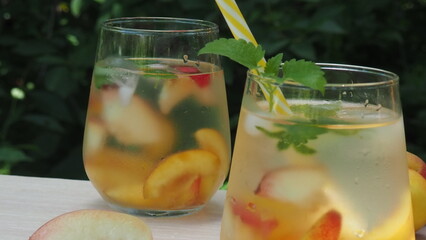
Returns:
<point x="47" y="52"/>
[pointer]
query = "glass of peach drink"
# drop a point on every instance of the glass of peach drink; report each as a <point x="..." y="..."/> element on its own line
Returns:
<point x="156" y="141"/>
<point x="334" y="168"/>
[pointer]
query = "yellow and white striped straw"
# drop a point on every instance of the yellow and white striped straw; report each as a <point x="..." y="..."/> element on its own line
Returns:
<point x="240" y="30"/>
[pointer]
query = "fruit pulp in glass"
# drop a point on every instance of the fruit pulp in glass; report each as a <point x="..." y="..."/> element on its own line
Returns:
<point x="342" y="177"/>
<point x="157" y="134"/>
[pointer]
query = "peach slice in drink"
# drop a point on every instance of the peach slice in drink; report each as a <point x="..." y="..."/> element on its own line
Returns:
<point x="186" y="178"/>
<point x="301" y="185"/>
<point x="112" y="167"/>
<point x="211" y="140"/>
<point x="173" y="92"/>
<point x="263" y="218"/>
<point x="311" y="189"/>
<point x="135" y="122"/>
<point x="95" y="136"/>
<point x="326" y="228"/>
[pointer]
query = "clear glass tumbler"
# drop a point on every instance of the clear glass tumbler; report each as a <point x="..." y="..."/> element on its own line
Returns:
<point x="156" y="141"/>
<point x="334" y="168"/>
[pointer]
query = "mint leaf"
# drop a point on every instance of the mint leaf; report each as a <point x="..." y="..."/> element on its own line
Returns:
<point x="319" y="111"/>
<point x="306" y="73"/>
<point x="295" y="135"/>
<point x="240" y="51"/>
<point x="273" y="65"/>
<point x="158" y="73"/>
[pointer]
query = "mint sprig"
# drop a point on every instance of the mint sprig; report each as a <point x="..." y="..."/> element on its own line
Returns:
<point x="249" y="55"/>
<point x="296" y="136"/>
<point x="239" y="51"/>
<point x="306" y="73"/>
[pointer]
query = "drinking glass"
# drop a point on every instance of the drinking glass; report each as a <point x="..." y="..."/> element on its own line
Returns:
<point x="333" y="168"/>
<point x="156" y="140"/>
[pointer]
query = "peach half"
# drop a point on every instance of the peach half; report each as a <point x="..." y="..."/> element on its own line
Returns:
<point x="93" y="224"/>
<point x="327" y="227"/>
<point x="185" y="179"/>
<point x="173" y="92"/>
<point x="135" y="122"/>
<point x="417" y="177"/>
<point x="212" y="140"/>
<point x="296" y="184"/>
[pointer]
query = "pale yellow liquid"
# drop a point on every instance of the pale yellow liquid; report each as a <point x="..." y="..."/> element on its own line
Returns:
<point x="139" y="118"/>
<point x="361" y="161"/>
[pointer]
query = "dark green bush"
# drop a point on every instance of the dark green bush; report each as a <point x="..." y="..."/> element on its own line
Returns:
<point x="47" y="52"/>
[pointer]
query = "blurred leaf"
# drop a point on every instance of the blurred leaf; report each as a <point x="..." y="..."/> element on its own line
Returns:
<point x="192" y="4"/>
<point x="8" y="40"/>
<point x="392" y="36"/>
<point x="34" y="48"/>
<point x="2" y="93"/>
<point x="44" y="121"/>
<point x="73" y="39"/>
<point x="51" y="60"/>
<point x="330" y="27"/>
<point x="52" y="105"/>
<point x="274" y="47"/>
<point x="5" y="169"/>
<point x="13" y="155"/>
<point x="116" y="9"/>
<point x="303" y="50"/>
<point x="76" y="6"/>
<point x="47" y="144"/>
<point x="329" y="12"/>
<point x="71" y="165"/>
<point x="58" y="80"/>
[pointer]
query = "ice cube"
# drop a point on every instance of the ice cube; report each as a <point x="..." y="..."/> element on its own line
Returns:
<point x="125" y="75"/>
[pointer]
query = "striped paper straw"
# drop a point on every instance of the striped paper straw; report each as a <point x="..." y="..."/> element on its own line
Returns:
<point x="240" y="30"/>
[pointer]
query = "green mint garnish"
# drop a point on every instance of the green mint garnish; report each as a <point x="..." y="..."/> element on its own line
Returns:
<point x="239" y="51"/>
<point x="249" y="55"/>
<point x="273" y="65"/>
<point x="113" y="142"/>
<point x="275" y="72"/>
<point x="158" y="73"/>
<point x="326" y="112"/>
<point x="306" y="73"/>
<point x="296" y="136"/>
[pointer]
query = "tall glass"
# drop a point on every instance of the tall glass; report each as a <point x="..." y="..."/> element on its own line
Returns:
<point x="334" y="168"/>
<point x="156" y="141"/>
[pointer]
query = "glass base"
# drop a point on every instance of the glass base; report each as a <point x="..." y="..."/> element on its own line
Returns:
<point x="155" y="213"/>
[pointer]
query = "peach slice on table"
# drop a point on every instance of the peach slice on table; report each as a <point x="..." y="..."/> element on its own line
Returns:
<point x="326" y="227"/>
<point x="134" y="121"/>
<point x="212" y="140"/>
<point x="185" y="178"/>
<point x="93" y="224"/>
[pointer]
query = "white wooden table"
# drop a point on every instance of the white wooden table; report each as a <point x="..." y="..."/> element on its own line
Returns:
<point x="28" y="202"/>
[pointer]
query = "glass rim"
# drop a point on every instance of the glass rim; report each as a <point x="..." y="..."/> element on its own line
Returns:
<point x="204" y="26"/>
<point x="390" y="77"/>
